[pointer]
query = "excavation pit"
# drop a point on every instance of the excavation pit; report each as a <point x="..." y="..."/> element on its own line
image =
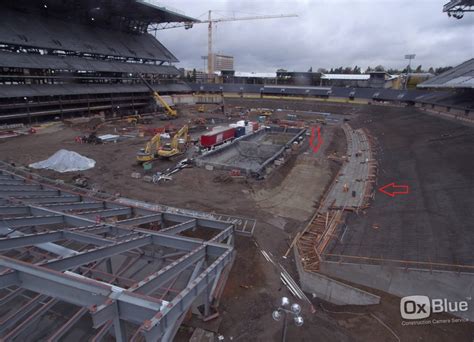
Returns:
<point x="252" y="154"/>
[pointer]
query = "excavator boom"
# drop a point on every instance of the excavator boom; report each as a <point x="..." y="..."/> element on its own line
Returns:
<point x="170" y="111"/>
<point x="173" y="148"/>
<point x="151" y="149"/>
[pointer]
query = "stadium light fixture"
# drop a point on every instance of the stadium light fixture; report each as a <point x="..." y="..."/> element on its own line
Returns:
<point x="286" y="308"/>
<point x="409" y="57"/>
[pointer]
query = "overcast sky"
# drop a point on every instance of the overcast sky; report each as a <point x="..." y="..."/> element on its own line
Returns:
<point x="327" y="33"/>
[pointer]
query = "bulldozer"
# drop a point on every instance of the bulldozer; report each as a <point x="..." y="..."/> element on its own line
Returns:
<point x="150" y="152"/>
<point x="172" y="148"/>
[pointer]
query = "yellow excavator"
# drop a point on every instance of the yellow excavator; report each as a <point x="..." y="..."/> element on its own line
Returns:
<point x="171" y="149"/>
<point x="170" y="111"/>
<point x="150" y="152"/>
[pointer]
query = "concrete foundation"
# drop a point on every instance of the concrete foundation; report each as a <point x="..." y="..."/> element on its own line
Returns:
<point x="252" y="153"/>
<point x="331" y="290"/>
<point x="436" y="284"/>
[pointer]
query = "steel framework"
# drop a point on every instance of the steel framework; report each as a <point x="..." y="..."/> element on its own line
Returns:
<point x="102" y="268"/>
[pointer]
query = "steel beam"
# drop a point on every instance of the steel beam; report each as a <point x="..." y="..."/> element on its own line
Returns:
<point x="87" y="238"/>
<point x="25" y="187"/>
<point x="75" y="206"/>
<point x="80" y="291"/>
<point x="32" y="319"/>
<point x="29" y="240"/>
<point x="154" y="329"/>
<point x="50" y="199"/>
<point x="136" y="221"/>
<point x="110" y="305"/>
<point x="222" y="236"/>
<point x="207" y="223"/>
<point x="27" y="193"/>
<point x="71" y="219"/>
<point x="55" y="337"/>
<point x="29" y="221"/>
<point x="9" y="181"/>
<point x="15" y="210"/>
<point x="156" y="280"/>
<point x="107" y="213"/>
<point x="177" y="242"/>
<point x="88" y="256"/>
<point x="19" y="314"/>
<point x="181" y="227"/>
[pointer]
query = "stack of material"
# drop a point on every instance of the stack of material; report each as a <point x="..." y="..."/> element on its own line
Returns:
<point x="65" y="161"/>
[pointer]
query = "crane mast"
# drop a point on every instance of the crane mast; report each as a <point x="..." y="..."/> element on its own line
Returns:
<point x="210" y="62"/>
<point x="210" y="22"/>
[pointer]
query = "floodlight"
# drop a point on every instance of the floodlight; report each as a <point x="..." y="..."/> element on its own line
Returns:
<point x="299" y="321"/>
<point x="276" y="315"/>
<point x="285" y="301"/>
<point x="296" y="308"/>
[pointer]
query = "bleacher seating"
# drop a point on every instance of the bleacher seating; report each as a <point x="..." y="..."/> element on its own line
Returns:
<point x="31" y="30"/>
<point x="32" y="61"/>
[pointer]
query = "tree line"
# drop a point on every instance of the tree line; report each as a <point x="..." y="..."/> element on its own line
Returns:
<point x="358" y="70"/>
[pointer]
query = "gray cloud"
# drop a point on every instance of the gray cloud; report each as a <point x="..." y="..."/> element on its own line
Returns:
<point x="327" y="33"/>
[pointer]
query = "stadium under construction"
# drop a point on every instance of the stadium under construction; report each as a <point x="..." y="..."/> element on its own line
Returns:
<point x="137" y="205"/>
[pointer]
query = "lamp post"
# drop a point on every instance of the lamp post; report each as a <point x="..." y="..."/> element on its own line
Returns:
<point x="286" y="309"/>
<point x="409" y="57"/>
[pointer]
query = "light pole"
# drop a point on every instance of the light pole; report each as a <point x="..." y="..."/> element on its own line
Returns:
<point x="283" y="310"/>
<point x="409" y="57"/>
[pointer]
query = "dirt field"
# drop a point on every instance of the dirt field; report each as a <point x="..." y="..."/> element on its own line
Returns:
<point x="282" y="204"/>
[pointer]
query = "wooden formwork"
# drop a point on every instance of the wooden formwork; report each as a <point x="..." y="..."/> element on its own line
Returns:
<point x="313" y="241"/>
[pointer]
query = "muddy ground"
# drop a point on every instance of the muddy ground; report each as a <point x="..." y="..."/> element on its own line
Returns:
<point x="282" y="204"/>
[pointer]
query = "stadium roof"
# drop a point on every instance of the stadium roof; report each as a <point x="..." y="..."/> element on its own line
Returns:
<point x="456" y="4"/>
<point x="461" y="76"/>
<point x="146" y="11"/>
<point x="352" y="77"/>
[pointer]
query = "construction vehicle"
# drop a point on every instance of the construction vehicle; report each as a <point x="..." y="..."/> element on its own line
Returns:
<point x="150" y="152"/>
<point x="173" y="148"/>
<point x="138" y="119"/>
<point x="169" y="111"/>
<point x="321" y="121"/>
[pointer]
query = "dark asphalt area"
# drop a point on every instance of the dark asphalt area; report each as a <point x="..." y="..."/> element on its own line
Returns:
<point x="435" y="221"/>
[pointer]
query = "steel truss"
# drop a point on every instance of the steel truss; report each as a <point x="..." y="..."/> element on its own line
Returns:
<point x="93" y="254"/>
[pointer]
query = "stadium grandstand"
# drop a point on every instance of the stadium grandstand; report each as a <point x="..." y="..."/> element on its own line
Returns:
<point x="450" y="92"/>
<point x="454" y="89"/>
<point x="60" y="58"/>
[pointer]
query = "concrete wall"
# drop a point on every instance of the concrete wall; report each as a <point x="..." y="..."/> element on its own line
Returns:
<point x="453" y="286"/>
<point x="332" y="290"/>
<point x="217" y="99"/>
<point x="184" y="99"/>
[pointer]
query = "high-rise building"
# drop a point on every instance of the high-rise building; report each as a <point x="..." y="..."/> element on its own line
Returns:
<point x="222" y="62"/>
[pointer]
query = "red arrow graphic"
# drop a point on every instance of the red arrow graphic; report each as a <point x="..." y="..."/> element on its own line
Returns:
<point x="319" y="138"/>
<point x="392" y="189"/>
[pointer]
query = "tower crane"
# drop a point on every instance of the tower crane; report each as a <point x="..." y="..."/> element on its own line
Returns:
<point x="210" y="21"/>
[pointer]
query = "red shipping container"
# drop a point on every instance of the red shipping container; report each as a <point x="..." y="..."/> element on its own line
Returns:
<point x="217" y="136"/>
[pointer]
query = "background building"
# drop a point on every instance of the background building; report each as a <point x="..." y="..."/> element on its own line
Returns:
<point x="223" y="62"/>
